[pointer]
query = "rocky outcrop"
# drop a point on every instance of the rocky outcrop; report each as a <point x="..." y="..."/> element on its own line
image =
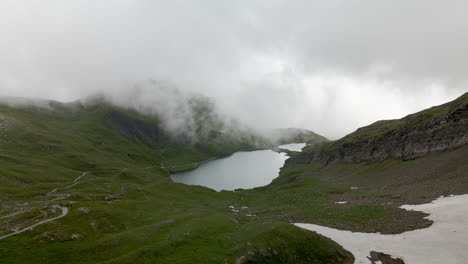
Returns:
<point x="146" y="133"/>
<point x="446" y="133"/>
<point x="3" y="123"/>
<point x="437" y="129"/>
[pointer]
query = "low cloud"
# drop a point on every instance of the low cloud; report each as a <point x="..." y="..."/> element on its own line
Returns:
<point x="329" y="66"/>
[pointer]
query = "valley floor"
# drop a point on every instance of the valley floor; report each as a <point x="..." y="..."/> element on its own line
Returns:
<point x="138" y="214"/>
<point x="125" y="209"/>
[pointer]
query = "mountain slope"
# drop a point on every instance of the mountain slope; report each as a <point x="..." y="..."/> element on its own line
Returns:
<point x="436" y="129"/>
<point x="412" y="160"/>
<point x="109" y="166"/>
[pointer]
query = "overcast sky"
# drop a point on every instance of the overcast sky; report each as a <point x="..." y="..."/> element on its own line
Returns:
<point x="329" y="66"/>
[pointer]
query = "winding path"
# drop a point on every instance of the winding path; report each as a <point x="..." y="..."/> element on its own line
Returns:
<point x="64" y="213"/>
<point x="13" y="214"/>
<point x="51" y="193"/>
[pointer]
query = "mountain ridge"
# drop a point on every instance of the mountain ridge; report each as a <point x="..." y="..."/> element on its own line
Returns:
<point x="439" y="128"/>
<point x="127" y="210"/>
<point x="110" y="167"/>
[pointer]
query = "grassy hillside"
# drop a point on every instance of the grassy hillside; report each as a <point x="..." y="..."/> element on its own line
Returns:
<point x="418" y="119"/>
<point x="109" y="166"/>
<point x="415" y="120"/>
<point x="125" y="209"/>
<point x="436" y="129"/>
<point x="380" y="183"/>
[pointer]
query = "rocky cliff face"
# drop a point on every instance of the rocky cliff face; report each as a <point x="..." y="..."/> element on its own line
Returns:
<point x="436" y="129"/>
<point x="3" y="123"/>
<point x="148" y="134"/>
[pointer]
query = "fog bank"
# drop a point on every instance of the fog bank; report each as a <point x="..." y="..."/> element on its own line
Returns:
<point x="328" y="66"/>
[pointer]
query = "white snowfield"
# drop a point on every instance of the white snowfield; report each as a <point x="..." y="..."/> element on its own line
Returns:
<point x="444" y="242"/>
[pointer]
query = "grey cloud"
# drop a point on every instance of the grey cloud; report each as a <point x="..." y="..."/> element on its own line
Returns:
<point x="330" y="66"/>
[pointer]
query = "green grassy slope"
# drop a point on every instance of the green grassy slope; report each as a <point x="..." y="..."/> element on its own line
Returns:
<point x="383" y="127"/>
<point x="126" y="209"/>
<point x="373" y="191"/>
<point x="418" y="119"/>
<point x="312" y="181"/>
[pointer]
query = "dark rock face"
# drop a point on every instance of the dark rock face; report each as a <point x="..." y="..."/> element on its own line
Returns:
<point x="376" y="257"/>
<point x="3" y="123"/>
<point x="138" y="130"/>
<point x="446" y="133"/>
<point x="406" y="141"/>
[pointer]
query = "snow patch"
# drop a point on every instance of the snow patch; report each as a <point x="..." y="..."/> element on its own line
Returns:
<point x="342" y="202"/>
<point x="443" y="242"/>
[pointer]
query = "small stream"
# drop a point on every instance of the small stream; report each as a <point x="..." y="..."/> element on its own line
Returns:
<point x="244" y="169"/>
